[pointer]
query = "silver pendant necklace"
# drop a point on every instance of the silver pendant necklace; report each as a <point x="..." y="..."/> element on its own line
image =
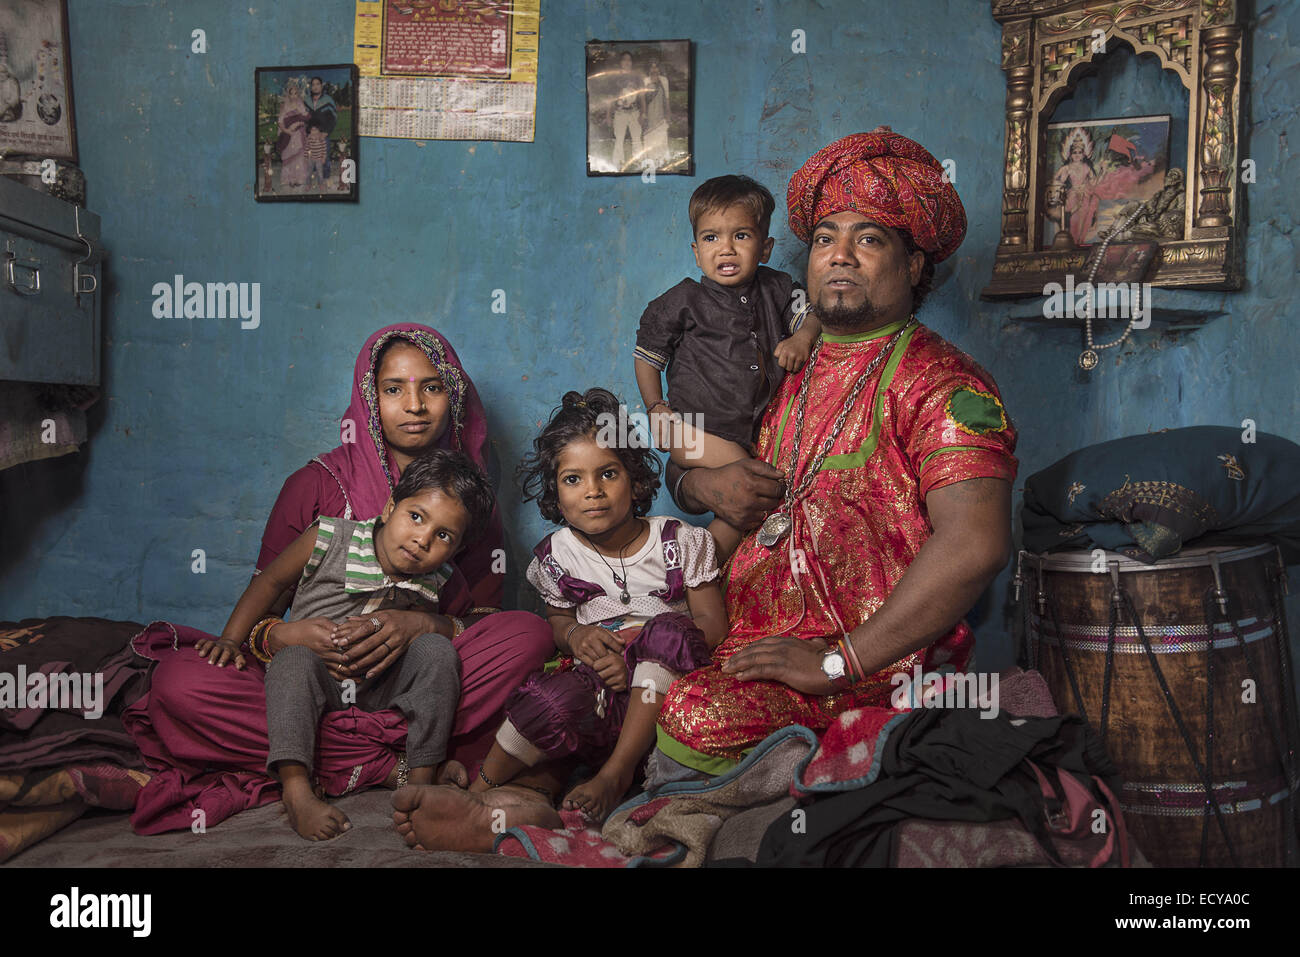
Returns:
<point x="620" y="580"/>
<point x="777" y="525"/>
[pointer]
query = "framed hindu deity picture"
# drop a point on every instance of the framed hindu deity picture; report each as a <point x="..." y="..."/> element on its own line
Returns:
<point x="1098" y="174"/>
<point x="305" y="136"/>
<point x="639" y="110"/>
<point x="1171" y="178"/>
<point x="36" y="117"/>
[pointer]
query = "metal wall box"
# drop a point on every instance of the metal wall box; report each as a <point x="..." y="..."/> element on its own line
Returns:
<point x="50" y="262"/>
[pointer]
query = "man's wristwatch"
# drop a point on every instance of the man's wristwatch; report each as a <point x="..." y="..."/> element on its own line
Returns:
<point x="836" y="669"/>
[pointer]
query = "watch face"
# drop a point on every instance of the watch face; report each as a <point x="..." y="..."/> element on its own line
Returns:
<point x="833" y="665"/>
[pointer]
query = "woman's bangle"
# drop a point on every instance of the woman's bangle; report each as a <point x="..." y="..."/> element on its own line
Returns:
<point x="655" y="405"/>
<point x="259" y="637"/>
<point x="457" y="626"/>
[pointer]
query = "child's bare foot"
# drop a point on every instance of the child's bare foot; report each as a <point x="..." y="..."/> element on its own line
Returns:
<point x="453" y="773"/>
<point x="310" y="816"/>
<point x="597" y="797"/>
<point x="451" y="819"/>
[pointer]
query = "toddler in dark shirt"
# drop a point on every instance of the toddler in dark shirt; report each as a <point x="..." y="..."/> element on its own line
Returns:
<point x="727" y="340"/>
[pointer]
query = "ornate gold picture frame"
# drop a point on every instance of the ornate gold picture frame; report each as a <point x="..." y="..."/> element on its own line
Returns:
<point x="1047" y="46"/>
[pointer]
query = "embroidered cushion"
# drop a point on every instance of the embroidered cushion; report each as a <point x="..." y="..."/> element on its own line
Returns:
<point x="1148" y="496"/>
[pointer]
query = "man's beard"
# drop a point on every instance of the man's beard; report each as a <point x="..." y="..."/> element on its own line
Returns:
<point x="867" y="315"/>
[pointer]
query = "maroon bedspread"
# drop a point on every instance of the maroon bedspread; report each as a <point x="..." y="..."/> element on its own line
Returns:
<point x="34" y="735"/>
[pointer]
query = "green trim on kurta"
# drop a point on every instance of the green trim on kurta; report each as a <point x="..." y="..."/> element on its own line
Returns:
<point x="952" y="448"/>
<point x="689" y="757"/>
<point x="878" y="333"/>
<point x="855" y="460"/>
<point x="780" y="433"/>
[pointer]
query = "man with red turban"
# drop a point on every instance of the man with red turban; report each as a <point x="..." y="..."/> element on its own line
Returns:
<point x="882" y="485"/>
<point x="882" y="481"/>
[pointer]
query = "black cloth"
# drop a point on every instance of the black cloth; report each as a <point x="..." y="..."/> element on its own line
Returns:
<point x="944" y="764"/>
<point x="717" y="343"/>
<point x="323" y="116"/>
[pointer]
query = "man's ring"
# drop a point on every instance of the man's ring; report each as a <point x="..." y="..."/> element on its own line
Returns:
<point x="377" y="623"/>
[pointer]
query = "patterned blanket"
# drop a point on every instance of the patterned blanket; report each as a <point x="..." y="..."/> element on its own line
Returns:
<point x="690" y="824"/>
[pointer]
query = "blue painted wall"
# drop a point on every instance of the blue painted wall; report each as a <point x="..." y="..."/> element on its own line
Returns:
<point x="201" y="421"/>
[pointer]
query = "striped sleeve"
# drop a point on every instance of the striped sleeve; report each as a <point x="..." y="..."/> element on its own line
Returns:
<point x="324" y="536"/>
<point x="658" y="334"/>
<point x="653" y="358"/>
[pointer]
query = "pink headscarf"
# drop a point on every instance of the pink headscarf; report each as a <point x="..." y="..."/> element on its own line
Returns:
<point x="365" y="468"/>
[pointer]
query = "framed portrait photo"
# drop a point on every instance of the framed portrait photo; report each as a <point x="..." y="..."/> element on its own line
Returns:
<point x="36" y="116"/>
<point x="1096" y="172"/>
<point x="639" y="109"/>
<point x="305" y="134"/>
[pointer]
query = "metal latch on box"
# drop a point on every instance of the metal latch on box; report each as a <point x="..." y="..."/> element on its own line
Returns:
<point x="84" y="282"/>
<point x="22" y="275"/>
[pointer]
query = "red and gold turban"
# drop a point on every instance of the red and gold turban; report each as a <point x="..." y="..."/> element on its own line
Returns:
<point x="883" y="176"/>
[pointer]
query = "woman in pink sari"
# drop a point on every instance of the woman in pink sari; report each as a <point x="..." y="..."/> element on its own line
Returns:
<point x="203" y="729"/>
<point x="292" y="143"/>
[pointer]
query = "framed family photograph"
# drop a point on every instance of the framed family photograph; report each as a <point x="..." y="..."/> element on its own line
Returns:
<point x="639" y="117"/>
<point x="36" y="116"/>
<point x="306" y="137"/>
<point x="1095" y="171"/>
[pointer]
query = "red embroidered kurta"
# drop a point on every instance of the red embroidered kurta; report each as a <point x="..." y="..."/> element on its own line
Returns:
<point x="929" y="416"/>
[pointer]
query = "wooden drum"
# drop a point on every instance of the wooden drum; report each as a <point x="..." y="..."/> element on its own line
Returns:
<point x="1183" y="668"/>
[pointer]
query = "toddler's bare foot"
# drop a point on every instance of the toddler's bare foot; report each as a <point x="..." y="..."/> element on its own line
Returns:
<point x="597" y="797"/>
<point x="310" y="816"/>
<point x="453" y="773"/>
<point x="441" y="818"/>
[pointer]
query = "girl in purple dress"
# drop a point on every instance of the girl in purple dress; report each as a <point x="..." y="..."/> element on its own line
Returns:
<point x="633" y="603"/>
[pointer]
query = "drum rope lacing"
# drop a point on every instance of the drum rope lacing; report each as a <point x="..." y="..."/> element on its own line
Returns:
<point x="1276" y="723"/>
<point x="1215" y="595"/>
<point x="1177" y="715"/>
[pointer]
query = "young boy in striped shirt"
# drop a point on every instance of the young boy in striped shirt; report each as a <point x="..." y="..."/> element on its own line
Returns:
<point x="345" y="568"/>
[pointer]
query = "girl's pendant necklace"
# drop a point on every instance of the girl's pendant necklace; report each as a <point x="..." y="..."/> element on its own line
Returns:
<point x="620" y="580"/>
<point x="777" y="525"/>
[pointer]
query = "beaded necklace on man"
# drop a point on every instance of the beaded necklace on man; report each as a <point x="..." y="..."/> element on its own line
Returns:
<point x="777" y="525"/>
